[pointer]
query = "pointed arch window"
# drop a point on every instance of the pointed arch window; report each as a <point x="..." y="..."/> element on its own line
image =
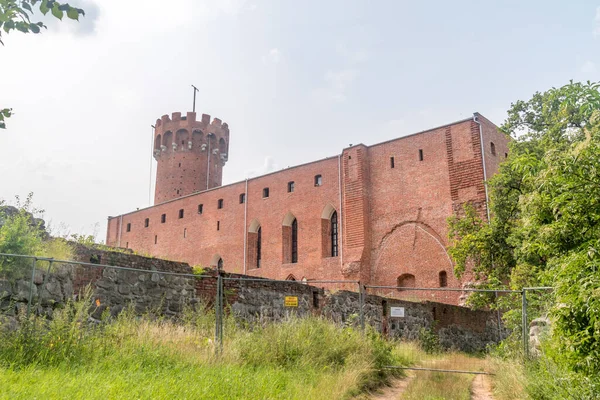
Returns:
<point x="258" y="247"/>
<point x="334" y="234"/>
<point x="295" y="241"/>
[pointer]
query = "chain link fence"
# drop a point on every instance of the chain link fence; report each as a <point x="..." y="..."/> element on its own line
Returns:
<point x="432" y="332"/>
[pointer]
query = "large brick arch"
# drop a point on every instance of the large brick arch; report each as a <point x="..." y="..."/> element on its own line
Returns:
<point x="411" y="247"/>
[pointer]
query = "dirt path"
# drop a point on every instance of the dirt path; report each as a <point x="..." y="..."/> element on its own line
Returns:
<point x="395" y="391"/>
<point x="481" y="389"/>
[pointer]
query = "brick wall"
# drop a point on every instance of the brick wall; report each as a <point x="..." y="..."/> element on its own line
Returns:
<point x="393" y="220"/>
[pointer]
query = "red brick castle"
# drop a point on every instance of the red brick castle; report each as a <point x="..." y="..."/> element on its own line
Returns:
<point x="372" y="213"/>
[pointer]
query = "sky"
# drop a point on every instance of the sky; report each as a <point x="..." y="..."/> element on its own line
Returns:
<point x="296" y="81"/>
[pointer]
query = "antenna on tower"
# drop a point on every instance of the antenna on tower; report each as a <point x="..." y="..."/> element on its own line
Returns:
<point x="195" y="90"/>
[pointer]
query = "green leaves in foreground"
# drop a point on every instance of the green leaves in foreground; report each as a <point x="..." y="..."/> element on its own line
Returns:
<point x="16" y="14"/>
<point x="4" y="114"/>
<point x="545" y="226"/>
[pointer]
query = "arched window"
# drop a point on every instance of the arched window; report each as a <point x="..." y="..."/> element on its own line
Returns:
<point x="406" y="281"/>
<point x="182" y="138"/>
<point x="254" y="244"/>
<point x="334" y="234"/>
<point x="290" y="278"/>
<point x="329" y="232"/>
<point x="295" y="241"/>
<point x="157" y="142"/>
<point x="197" y="137"/>
<point x="443" y="279"/>
<point x="220" y="263"/>
<point x="258" y="247"/>
<point x="493" y="148"/>
<point x="168" y="140"/>
<point x="289" y="239"/>
<point x="222" y="146"/>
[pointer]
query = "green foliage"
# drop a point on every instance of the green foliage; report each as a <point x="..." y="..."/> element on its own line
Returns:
<point x="17" y="14"/>
<point x="198" y="269"/>
<point x="429" y="341"/>
<point x="5" y="113"/>
<point x="19" y="234"/>
<point x="545" y="225"/>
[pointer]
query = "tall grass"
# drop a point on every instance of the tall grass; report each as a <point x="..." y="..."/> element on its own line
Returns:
<point x="149" y="357"/>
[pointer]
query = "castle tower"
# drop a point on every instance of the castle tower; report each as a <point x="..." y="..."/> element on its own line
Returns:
<point x="190" y="154"/>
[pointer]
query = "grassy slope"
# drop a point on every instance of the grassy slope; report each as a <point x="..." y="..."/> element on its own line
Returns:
<point x="138" y="358"/>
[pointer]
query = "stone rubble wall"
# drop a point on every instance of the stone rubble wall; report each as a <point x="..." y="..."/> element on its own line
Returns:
<point x="251" y="301"/>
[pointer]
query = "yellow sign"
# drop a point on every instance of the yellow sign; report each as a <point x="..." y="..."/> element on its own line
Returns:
<point x="291" y="301"/>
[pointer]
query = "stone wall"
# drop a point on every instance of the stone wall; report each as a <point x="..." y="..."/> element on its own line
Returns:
<point x="252" y="301"/>
<point x="50" y="290"/>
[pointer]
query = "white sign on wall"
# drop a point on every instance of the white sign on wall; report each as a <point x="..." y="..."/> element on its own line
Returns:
<point x="397" y="312"/>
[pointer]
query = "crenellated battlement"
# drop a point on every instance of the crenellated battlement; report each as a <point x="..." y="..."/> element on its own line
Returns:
<point x="183" y="142"/>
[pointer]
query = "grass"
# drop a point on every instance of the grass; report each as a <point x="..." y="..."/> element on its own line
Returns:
<point x="133" y="357"/>
<point x="431" y="385"/>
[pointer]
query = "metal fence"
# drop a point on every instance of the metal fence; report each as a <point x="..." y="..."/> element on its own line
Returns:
<point x="427" y="344"/>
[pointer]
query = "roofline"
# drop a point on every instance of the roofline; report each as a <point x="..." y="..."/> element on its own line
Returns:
<point x="224" y="186"/>
<point x="307" y="163"/>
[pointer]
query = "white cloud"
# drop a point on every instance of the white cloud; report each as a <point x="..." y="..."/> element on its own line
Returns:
<point x="588" y="67"/>
<point x="273" y="57"/>
<point x="336" y="85"/>
<point x="597" y="25"/>
<point x="269" y="165"/>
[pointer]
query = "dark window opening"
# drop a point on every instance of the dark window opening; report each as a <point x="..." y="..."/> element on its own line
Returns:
<point x="220" y="263"/>
<point x="290" y="186"/>
<point x="179" y="165"/>
<point x="406" y="281"/>
<point x="318" y="180"/>
<point x="265" y="193"/>
<point x="146" y="222"/>
<point x="200" y="207"/>
<point x="184" y="233"/>
<point x="163" y="218"/>
<point x="295" y="241"/>
<point x="129" y="227"/>
<point x="334" y="234"/>
<point x="127" y="245"/>
<point x="181" y="213"/>
<point x="220" y="204"/>
<point x="258" y="247"/>
<point x="443" y="279"/>
<point x="392" y="162"/>
<point x="493" y="148"/>
<point x="242" y="198"/>
<point x="155" y="239"/>
<point x="433" y="311"/>
<point x="315" y="299"/>
<point x="384" y="307"/>
<point x="420" y="154"/>
<point x="505" y="155"/>
<point x="218" y="225"/>
<point x="177" y="191"/>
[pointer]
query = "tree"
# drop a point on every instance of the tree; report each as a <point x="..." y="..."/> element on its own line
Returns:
<point x="545" y="216"/>
<point x="17" y="15"/>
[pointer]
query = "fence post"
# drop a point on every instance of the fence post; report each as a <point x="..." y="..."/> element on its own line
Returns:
<point x="361" y="302"/>
<point x="498" y="317"/>
<point x="31" y="286"/>
<point x="524" y="323"/>
<point x="219" y="314"/>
